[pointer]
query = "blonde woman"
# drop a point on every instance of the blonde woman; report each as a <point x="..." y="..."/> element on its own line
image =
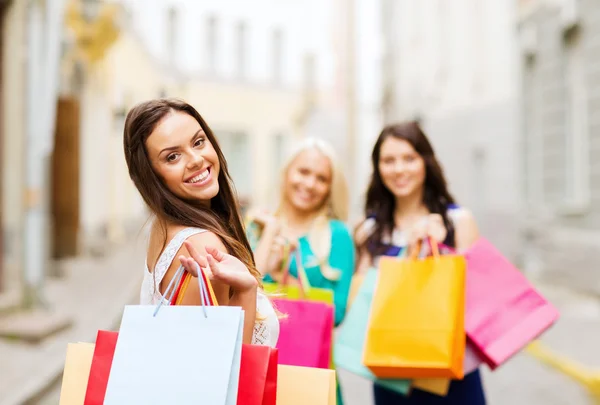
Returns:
<point x="310" y="221"/>
<point x="310" y="218"/>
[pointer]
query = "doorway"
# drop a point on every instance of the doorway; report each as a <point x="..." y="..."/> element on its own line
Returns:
<point x="65" y="179"/>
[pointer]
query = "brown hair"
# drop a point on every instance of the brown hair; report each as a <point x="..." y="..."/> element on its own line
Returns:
<point x="380" y="202"/>
<point x="222" y="218"/>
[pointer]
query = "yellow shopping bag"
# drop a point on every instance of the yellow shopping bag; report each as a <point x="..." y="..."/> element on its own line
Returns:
<point x="305" y="385"/>
<point x="76" y="373"/>
<point x="416" y="327"/>
<point x="437" y="386"/>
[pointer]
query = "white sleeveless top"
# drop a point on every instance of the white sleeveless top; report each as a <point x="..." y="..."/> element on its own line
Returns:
<point x="266" y="331"/>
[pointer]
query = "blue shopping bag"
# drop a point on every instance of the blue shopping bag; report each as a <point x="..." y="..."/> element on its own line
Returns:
<point x="348" y="347"/>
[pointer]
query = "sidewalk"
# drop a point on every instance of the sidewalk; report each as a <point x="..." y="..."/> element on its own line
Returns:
<point x="93" y="293"/>
<point x="528" y="380"/>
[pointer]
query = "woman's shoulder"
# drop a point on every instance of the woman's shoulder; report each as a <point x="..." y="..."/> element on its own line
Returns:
<point x="339" y="228"/>
<point x="458" y="213"/>
<point x="364" y="229"/>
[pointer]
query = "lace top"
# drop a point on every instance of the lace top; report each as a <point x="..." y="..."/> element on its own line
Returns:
<point x="266" y="331"/>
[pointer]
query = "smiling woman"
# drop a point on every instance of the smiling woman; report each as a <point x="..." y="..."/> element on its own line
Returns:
<point x="184" y="158"/>
<point x="176" y="164"/>
<point x="309" y="223"/>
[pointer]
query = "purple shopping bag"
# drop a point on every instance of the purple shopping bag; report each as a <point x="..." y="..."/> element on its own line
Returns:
<point x="306" y="333"/>
<point x="504" y="311"/>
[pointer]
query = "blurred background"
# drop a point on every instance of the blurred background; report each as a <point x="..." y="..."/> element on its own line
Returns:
<point x="508" y="91"/>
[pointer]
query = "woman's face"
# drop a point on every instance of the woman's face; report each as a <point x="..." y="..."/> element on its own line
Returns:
<point x="402" y="169"/>
<point x="308" y="181"/>
<point x="183" y="157"/>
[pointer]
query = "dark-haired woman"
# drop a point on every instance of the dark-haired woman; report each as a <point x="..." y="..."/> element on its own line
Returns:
<point x="408" y="200"/>
<point x="175" y="162"/>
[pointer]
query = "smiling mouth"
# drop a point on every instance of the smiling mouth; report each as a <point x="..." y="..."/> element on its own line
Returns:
<point x="199" y="177"/>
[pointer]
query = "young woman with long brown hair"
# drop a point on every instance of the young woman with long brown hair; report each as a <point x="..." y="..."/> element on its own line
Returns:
<point x="176" y="164"/>
<point x="408" y="200"/>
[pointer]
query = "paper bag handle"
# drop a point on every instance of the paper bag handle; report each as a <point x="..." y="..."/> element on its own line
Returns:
<point x="303" y="282"/>
<point x="419" y="245"/>
<point x="207" y="295"/>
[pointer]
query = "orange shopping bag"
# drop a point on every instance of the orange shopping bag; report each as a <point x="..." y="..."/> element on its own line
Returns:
<point x="416" y="327"/>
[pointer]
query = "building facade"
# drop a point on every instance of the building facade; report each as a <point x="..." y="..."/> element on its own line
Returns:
<point x="261" y="79"/>
<point x="453" y="67"/>
<point x="561" y="138"/>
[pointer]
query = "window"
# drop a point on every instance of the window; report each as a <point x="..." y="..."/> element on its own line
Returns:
<point x="280" y="152"/>
<point x="171" y="34"/>
<point x="309" y="71"/>
<point x="532" y="141"/>
<point x="240" y="49"/>
<point x="211" y="45"/>
<point x="576" y="136"/>
<point x="236" y="148"/>
<point x="277" y="56"/>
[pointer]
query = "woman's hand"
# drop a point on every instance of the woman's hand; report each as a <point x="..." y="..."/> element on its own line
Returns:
<point x="281" y="248"/>
<point x="220" y="266"/>
<point x="432" y="226"/>
<point x="231" y="271"/>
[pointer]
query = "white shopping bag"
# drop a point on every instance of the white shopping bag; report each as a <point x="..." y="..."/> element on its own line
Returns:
<point x="183" y="355"/>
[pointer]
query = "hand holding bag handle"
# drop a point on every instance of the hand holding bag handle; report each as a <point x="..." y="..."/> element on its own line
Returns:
<point x="303" y="283"/>
<point x="415" y="251"/>
<point x="206" y="296"/>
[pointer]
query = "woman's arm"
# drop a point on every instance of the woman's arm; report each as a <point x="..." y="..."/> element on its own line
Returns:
<point x="199" y="247"/>
<point x="467" y="232"/>
<point x="342" y="257"/>
<point x="264" y="248"/>
<point x="363" y="258"/>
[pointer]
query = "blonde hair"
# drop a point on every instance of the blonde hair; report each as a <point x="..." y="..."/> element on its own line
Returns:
<point x="334" y="207"/>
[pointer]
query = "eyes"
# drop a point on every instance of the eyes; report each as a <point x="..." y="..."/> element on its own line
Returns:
<point x="307" y="172"/>
<point x="174" y="156"/>
<point x="390" y="160"/>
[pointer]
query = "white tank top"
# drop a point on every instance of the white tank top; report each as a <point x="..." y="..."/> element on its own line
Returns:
<point x="266" y="331"/>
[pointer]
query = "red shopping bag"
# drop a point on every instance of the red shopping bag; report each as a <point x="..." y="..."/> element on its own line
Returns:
<point x="258" y="376"/>
<point x="101" y="362"/>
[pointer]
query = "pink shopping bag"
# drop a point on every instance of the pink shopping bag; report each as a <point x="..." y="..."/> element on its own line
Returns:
<point x="504" y="311"/>
<point x="472" y="359"/>
<point x="306" y="333"/>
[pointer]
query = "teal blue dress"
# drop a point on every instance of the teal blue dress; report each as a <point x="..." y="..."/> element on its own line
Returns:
<point x="342" y="258"/>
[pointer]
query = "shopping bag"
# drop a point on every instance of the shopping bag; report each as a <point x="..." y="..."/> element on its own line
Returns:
<point x="305" y="335"/>
<point x="504" y="311"/>
<point x="75" y="374"/>
<point x="437" y="386"/>
<point x="104" y="351"/>
<point x="350" y="339"/>
<point x="357" y="281"/>
<point x="258" y="372"/>
<point x="472" y="358"/>
<point x="416" y="326"/>
<point x="305" y="385"/>
<point x="258" y="376"/>
<point x="301" y="289"/>
<point x="202" y="343"/>
<point x="294" y="292"/>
